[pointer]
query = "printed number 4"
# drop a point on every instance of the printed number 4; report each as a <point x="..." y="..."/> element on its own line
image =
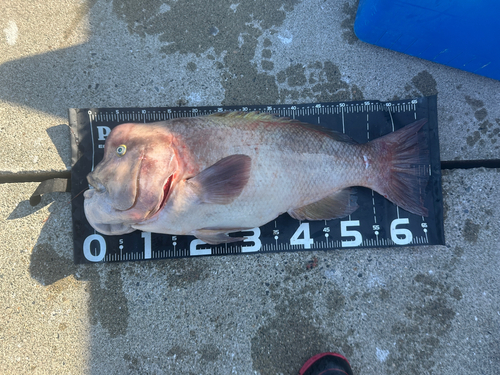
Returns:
<point x="307" y="241"/>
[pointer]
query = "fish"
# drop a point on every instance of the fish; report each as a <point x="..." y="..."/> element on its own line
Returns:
<point x="211" y="176"/>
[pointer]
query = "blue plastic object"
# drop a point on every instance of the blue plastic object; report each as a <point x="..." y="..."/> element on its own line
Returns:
<point x="464" y="34"/>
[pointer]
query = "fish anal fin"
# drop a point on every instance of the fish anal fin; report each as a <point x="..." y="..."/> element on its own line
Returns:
<point x="215" y="236"/>
<point x="224" y="181"/>
<point x="336" y="205"/>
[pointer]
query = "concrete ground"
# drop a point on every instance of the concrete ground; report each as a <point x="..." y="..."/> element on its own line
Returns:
<point x="410" y="310"/>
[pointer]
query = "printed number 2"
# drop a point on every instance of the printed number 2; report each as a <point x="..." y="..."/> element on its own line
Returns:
<point x="307" y="241"/>
<point x="358" y="238"/>
<point x="194" y="250"/>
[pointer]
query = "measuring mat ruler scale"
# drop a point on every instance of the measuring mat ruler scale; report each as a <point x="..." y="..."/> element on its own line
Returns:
<point x="375" y="223"/>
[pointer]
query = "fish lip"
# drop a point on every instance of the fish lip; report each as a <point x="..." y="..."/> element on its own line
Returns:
<point x="167" y="188"/>
<point x="94" y="183"/>
<point x="89" y="193"/>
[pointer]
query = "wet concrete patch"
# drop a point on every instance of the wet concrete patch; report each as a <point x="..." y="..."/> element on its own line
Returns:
<point x="209" y="353"/>
<point x="317" y="81"/>
<point x="47" y="266"/>
<point x="425" y="83"/>
<point x="471" y="231"/>
<point x="473" y="102"/>
<point x="427" y="320"/>
<point x="487" y="130"/>
<point x="347" y="24"/>
<point x="287" y="340"/>
<point x="183" y="272"/>
<point x="230" y="31"/>
<point x="196" y="26"/>
<point x="109" y="305"/>
<point x="308" y="317"/>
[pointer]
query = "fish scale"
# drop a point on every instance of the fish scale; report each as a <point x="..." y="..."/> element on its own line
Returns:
<point x="376" y="223"/>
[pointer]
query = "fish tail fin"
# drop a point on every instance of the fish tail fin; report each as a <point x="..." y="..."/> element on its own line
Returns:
<point x="403" y="170"/>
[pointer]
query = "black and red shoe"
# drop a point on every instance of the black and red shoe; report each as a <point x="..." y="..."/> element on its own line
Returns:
<point x="326" y="364"/>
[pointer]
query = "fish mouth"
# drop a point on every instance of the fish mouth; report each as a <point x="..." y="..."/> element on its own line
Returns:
<point x="166" y="190"/>
<point x="95" y="184"/>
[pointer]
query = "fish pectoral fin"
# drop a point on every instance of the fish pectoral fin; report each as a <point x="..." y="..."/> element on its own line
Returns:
<point x="336" y="205"/>
<point x="112" y="229"/>
<point x="224" y="181"/>
<point x="215" y="236"/>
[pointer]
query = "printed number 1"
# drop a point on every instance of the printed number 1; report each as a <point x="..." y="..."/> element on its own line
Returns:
<point x="147" y="244"/>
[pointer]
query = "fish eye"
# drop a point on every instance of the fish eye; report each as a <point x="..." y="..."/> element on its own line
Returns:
<point x="121" y="150"/>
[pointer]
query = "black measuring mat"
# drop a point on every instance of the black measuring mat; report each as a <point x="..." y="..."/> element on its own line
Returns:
<point x="376" y="223"/>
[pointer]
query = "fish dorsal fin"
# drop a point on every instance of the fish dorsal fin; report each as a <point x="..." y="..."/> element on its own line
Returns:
<point x="270" y="117"/>
<point x="336" y="205"/>
<point x="341" y="137"/>
<point x="222" y="182"/>
<point x="254" y="115"/>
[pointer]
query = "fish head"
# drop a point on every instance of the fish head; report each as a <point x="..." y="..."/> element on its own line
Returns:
<point x="133" y="180"/>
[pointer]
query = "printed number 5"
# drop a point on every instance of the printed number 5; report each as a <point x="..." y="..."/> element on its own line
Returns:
<point x="358" y="238"/>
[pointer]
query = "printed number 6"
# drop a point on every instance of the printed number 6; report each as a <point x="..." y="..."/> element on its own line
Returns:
<point x="406" y="234"/>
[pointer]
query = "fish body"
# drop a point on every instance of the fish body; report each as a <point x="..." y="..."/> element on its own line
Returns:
<point x="212" y="175"/>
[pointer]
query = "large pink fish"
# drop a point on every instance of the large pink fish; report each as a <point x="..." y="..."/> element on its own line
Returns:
<point x="212" y="175"/>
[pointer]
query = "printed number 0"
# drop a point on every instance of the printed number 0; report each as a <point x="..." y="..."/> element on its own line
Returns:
<point x="102" y="248"/>
<point x="406" y="234"/>
<point x="358" y="238"/>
